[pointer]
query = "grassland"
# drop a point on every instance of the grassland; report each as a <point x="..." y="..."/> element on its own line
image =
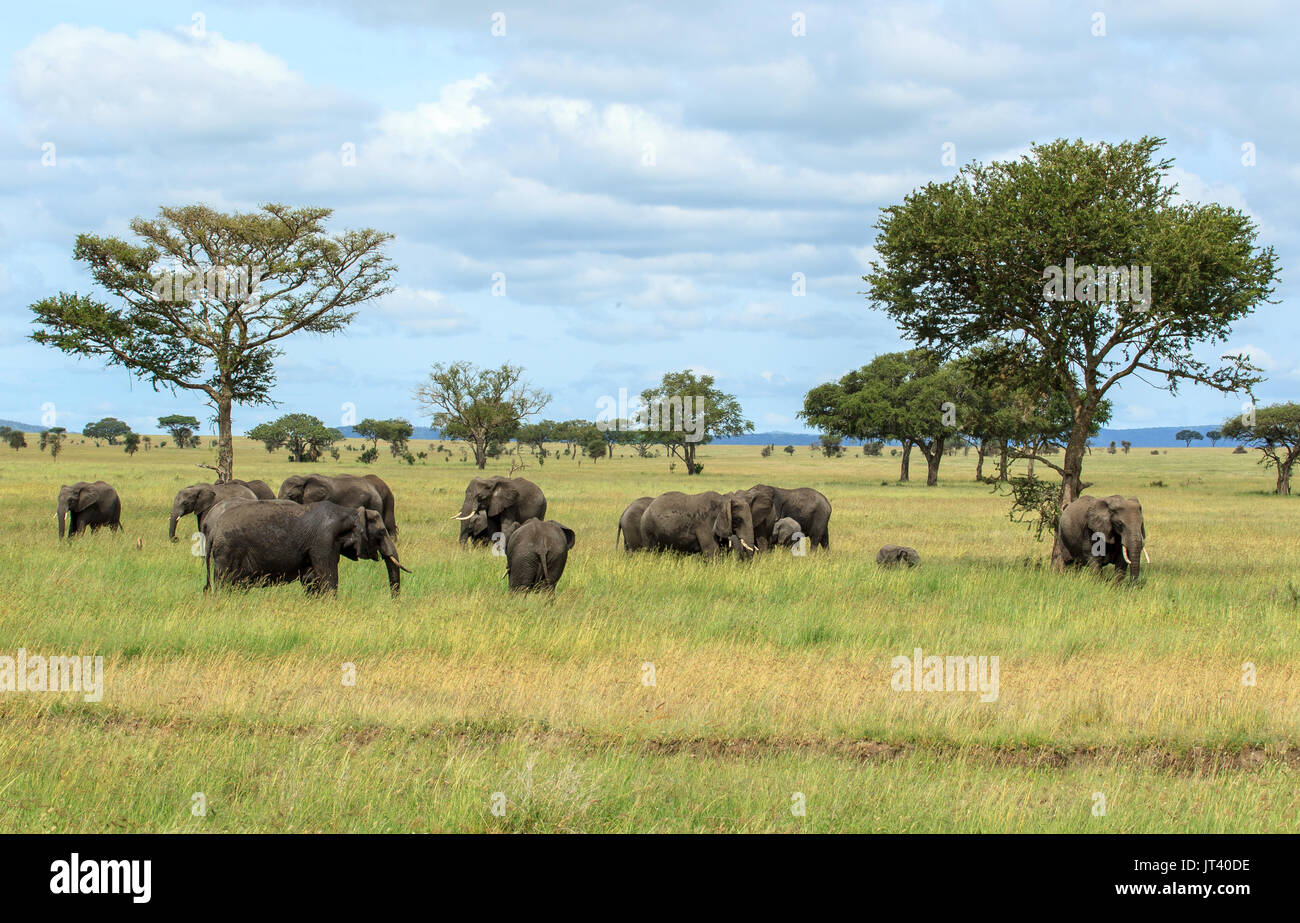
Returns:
<point x="772" y="677"/>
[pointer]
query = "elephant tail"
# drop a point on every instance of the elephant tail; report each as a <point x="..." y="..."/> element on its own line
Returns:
<point x="618" y="534"/>
<point x="541" y="557"/>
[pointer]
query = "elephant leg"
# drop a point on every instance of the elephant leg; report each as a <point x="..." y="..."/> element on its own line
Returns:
<point x="704" y="536"/>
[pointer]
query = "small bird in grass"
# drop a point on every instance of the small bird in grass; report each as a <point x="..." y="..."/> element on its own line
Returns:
<point x="139" y="543"/>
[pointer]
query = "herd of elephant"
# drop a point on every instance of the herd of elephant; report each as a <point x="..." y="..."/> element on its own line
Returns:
<point x="253" y="536"/>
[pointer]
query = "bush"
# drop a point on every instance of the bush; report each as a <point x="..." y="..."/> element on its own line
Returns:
<point x="368" y="456"/>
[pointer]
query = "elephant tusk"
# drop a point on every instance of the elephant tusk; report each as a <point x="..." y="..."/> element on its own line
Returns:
<point x="1146" y="554"/>
<point x="398" y="564"/>
<point x="1127" y="560"/>
<point x="746" y="545"/>
<point x="463" y="516"/>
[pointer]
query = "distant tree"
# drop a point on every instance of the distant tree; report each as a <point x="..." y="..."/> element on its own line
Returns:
<point x="148" y="443"/>
<point x="911" y="397"/>
<point x="1214" y="436"/>
<point x="1275" y="431"/>
<point x="536" y="435"/>
<point x="1126" y="445"/>
<point x="831" y="446"/>
<point x="766" y="451"/>
<point x="479" y="406"/>
<point x="302" y="434"/>
<point x="873" y="448"/>
<point x="52" y="439"/>
<point x="369" y="456"/>
<point x="788" y="450"/>
<point x="1110" y="449"/>
<point x="17" y="440"/>
<point x="181" y="427"/>
<point x="109" y="428"/>
<point x="597" y="448"/>
<point x="687" y="411"/>
<point x="1187" y="435"/>
<point x="131" y="443"/>
<point x="205" y="297"/>
<point x="978" y="259"/>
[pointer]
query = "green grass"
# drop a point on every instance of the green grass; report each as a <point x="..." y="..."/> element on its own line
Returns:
<point x="772" y="677"/>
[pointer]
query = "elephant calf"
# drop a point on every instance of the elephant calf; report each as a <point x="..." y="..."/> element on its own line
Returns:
<point x="536" y="553"/>
<point x="261" y="542"/>
<point x="89" y="505"/>
<point x="889" y="555"/>
<point x="629" y="525"/>
<point x="786" y="533"/>
<point x="200" y="498"/>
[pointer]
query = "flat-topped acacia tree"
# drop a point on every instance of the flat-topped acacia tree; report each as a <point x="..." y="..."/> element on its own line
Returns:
<point x="202" y="299"/>
<point x="1028" y="254"/>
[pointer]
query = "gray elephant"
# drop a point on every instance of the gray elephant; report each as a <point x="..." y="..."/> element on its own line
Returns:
<point x="261" y="542"/>
<point x="1097" y="531"/>
<point x="199" y="498"/>
<point x="629" y="525"/>
<point x="261" y="490"/>
<point x="889" y="555"/>
<point x="702" y="523"/>
<point x="806" y="506"/>
<point x="786" y="533"/>
<point x="367" y="490"/>
<point x="89" y="505"/>
<point x="536" y="552"/>
<point x="504" y="500"/>
<point x="480" y="528"/>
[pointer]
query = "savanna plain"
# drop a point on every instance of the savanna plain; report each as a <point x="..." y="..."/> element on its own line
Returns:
<point x="1177" y="700"/>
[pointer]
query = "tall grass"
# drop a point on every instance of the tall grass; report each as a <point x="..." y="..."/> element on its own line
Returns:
<point x="772" y="677"/>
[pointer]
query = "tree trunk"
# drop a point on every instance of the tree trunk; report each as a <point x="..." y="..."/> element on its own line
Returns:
<point x="480" y="453"/>
<point x="932" y="459"/>
<point x="225" y="438"/>
<point x="1284" y="478"/>
<point x="907" y="455"/>
<point x="979" y="461"/>
<point x="1003" y="461"/>
<point x="688" y="455"/>
<point x="1072" y="479"/>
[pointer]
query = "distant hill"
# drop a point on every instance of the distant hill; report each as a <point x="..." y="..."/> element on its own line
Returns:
<point x="1148" y="438"/>
<point x="24" y="427"/>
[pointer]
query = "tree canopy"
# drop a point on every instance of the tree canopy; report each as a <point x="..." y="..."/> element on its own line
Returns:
<point x="1275" y="431"/>
<point x="201" y="301"/>
<point x="480" y="406"/>
<point x="982" y="259"/>
<point x="684" y="411"/>
<point x="302" y="434"/>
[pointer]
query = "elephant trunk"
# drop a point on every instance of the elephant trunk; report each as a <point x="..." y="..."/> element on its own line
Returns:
<point x="177" y="513"/>
<point x="63" y="512"/>
<point x="1133" y="556"/>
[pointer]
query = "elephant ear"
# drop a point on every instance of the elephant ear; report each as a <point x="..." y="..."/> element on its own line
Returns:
<point x="761" y="505"/>
<point x="569" y="536"/>
<point x="315" y="491"/>
<point x="1098" y="518"/>
<point x="722" y="525"/>
<point x="204" y="498"/>
<point x="503" y="496"/>
<point x="86" y="498"/>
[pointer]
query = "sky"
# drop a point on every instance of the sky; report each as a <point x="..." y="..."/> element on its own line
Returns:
<point x="649" y="181"/>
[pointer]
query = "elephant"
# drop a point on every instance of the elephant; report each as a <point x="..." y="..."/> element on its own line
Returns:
<point x="199" y="498"/>
<point x="806" y="506"/>
<point x="536" y="552"/>
<point x="629" y="525"/>
<point x="701" y="523"/>
<point x="260" y="489"/>
<point x="1102" y="530"/>
<point x="889" y="555"/>
<point x="786" y="532"/>
<point x="505" y="500"/>
<point x="368" y="490"/>
<point x="85" y="504"/>
<point x="261" y="542"/>
<point x="479" y="528"/>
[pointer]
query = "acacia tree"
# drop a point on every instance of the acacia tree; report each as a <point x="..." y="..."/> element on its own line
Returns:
<point x="181" y="427"/>
<point x="205" y="297"/>
<point x="964" y="263"/>
<point x="302" y="434"/>
<point x="1275" y="431"/>
<point x="1214" y="436"/>
<point x="685" y="411"/>
<point x="1187" y="435"/>
<point x="911" y="397"/>
<point x="110" y="429"/>
<point x="483" y="407"/>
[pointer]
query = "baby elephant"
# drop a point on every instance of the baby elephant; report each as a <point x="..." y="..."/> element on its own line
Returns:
<point x="786" y="532"/>
<point x="890" y="555"/>
<point x="536" y="553"/>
